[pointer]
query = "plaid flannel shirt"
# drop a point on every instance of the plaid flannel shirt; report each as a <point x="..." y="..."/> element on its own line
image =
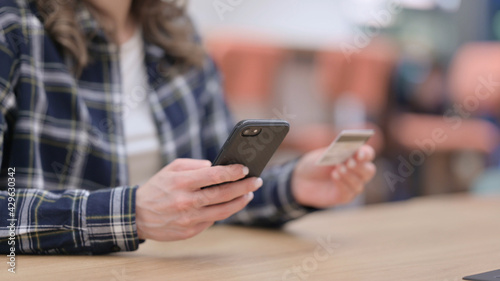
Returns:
<point x="62" y="144"/>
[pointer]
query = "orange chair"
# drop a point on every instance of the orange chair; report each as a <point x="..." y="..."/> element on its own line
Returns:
<point x="370" y="75"/>
<point x="332" y="70"/>
<point x="366" y="74"/>
<point x="249" y="68"/>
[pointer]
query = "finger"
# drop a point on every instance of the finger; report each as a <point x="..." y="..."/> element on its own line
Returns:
<point x="364" y="170"/>
<point x="342" y="191"/>
<point x="227" y="192"/>
<point x="352" y="181"/>
<point x="225" y="210"/>
<point x="196" y="179"/>
<point x="367" y="171"/>
<point x="365" y="154"/>
<point x="185" y="164"/>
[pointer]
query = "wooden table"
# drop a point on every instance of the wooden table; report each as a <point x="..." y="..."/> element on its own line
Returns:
<point x="438" y="239"/>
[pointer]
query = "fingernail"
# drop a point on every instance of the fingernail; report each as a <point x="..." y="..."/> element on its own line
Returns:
<point x="258" y="182"/>
<point x="336" y="175"/>
<point x="245" y="170"/>
<point x="250" y="196"/>
<point x="343" y="169"/>
<point x="351" y="163"/>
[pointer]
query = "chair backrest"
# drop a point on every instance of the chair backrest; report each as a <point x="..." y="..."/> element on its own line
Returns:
<point x="366" y="74"/>
<point x="332" y="70"/>
<point x="249" y="67"/>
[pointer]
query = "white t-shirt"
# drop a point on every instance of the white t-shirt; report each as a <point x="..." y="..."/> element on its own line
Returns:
<point x="142" y="139"/>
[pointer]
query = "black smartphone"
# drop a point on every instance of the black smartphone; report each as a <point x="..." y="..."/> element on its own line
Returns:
<point x="252" y="143"/>
<point x="487" y="276"/>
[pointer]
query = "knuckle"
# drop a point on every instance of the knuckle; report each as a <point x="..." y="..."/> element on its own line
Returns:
<point x="183" y="203"/>
<point x="178" y="181"/>
<point x="226" y="174"/>
<point x="200" y="200"/>
<point x="212" y="193"/>
<point x="214" y="175"/>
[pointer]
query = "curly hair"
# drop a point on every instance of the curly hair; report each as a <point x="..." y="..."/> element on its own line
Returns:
<point x="164" y="23"/>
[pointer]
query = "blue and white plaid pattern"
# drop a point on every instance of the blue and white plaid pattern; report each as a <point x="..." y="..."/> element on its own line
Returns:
<point x="64" y="137"/>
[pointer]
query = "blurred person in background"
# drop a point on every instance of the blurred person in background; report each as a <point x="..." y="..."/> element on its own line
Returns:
<point x="107" y="109"/>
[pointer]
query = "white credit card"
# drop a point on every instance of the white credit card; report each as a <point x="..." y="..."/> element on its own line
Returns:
<point x="344" y="146"/>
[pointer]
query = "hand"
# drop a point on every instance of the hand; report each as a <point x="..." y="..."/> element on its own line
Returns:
<point x="172" y="205"/>
<point x="327" y="186"/>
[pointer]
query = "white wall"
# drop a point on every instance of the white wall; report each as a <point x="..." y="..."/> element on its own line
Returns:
<point x="298" y="23"/>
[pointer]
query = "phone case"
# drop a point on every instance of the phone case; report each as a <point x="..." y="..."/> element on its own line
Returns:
<point x="487" y="276"/>
<point x="253" y="151"/>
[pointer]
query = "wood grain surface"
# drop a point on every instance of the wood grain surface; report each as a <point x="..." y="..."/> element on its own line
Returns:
<point x="435" y="239"/>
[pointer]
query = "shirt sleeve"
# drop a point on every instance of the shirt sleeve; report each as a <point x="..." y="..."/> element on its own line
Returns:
<point x="68" y="222"/>
<point x="34" y="221"/>
<point x="273" y="204"/>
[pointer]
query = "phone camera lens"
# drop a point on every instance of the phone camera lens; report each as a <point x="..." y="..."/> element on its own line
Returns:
<point x="251" y="132"/>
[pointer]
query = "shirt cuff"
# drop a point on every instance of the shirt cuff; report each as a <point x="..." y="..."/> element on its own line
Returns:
<point x="283" y="197"/>
<point x="110" y="220"/>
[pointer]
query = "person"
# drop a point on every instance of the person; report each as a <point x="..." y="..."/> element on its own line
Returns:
<point x="111" y="114"/>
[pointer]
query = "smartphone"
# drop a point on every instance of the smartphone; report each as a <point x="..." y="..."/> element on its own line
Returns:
<point x="344" y="146"/>
<point x="252" y="143"/>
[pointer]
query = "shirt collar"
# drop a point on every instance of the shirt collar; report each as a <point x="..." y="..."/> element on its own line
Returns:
<point x="92" y="30"/>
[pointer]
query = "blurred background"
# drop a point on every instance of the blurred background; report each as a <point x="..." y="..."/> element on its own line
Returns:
<point x="425" y="74"/>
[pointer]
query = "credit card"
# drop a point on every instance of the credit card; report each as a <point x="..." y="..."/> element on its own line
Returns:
<point x="344" y="146"/>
